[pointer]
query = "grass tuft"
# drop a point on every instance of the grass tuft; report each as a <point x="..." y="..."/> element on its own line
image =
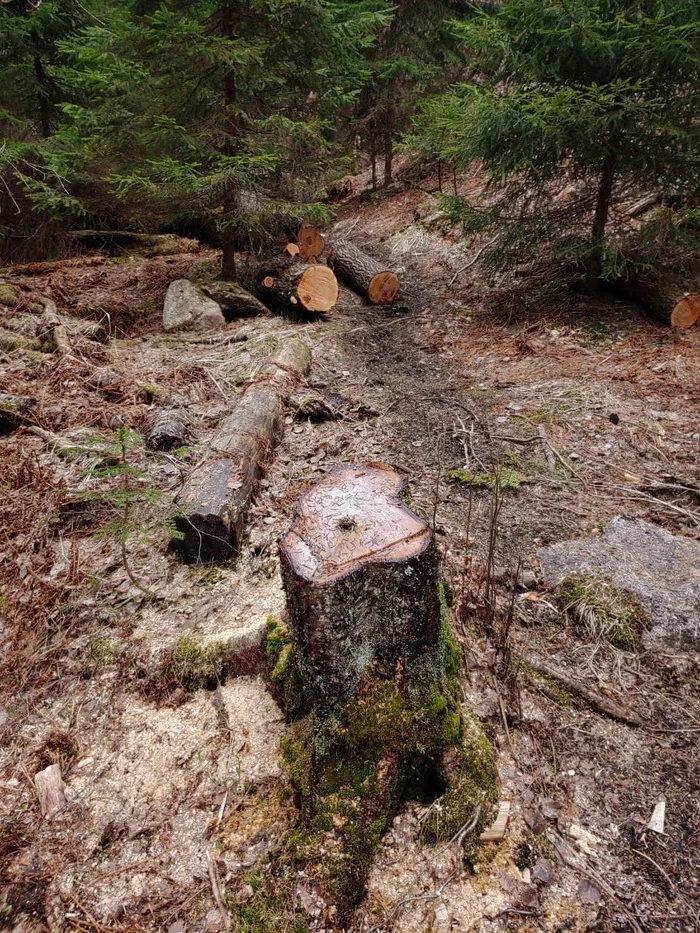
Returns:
<point x="602" y="611"/>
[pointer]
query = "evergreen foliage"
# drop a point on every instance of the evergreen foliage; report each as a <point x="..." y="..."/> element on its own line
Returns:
<point x="603" y="94"/>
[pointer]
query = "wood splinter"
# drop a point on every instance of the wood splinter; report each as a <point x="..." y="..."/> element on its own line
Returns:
<point x="50" y="789"/>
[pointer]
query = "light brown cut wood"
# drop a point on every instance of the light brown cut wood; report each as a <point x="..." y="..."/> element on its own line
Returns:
<point x="216" y="496"/>
<point x="360" y="574"/>
<point x="311" y="243"/>
<point x="363" y="273"/>
<point x="290" y="285"/>
<point x="686" y="312"/>
<point x="291" y="249"/>
<point x="497" y="830"/>
<point x="50" y="789"/>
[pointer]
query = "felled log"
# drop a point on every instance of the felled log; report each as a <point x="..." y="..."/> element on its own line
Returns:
<point x="115" y="242"/>
<point x="168" y="425"/>
<point x="234" y="300"/>
<point x="52" y="327"/>
<point x="363" y="273"/>
<point x="50" y="789"/>
<point x="360" y="576"/>
<point x="215" y="498"/>
<point x="669" y="299"/>
<point x="311" y="243"/>
<point x="298" y="287"/>
<point x="15" y="410"/>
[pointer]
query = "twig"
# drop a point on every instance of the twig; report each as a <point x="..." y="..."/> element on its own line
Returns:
<point x="216" y="891"/>
<point x="656" y="865"/>
<point x="546" y="446"/>
<point x="602" y="703"/>
<point x="471" y="262"/>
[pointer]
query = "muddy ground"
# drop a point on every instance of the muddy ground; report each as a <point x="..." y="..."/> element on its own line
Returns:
<point x="163" y="777"/>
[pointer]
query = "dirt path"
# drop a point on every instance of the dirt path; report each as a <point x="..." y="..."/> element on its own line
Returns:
<point x="164" y="771"/>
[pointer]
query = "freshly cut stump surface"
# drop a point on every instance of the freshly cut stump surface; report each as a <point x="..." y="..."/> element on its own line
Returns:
<point x="360" y="573"/>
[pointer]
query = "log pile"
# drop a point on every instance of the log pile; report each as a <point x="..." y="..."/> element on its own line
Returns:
<point x="363" y="273"/>
<point x="216" y="496"/>
<point x="298" y="287"/>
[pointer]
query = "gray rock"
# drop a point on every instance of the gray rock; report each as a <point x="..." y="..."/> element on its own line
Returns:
<point x="186" y="307"/>
<point x="660" y="569"/>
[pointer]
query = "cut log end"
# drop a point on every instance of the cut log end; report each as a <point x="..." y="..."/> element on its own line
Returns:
<point x="311" y="243"/>
<point x="291" y="249"/>
<point x="318" y="289"/>
<point x="686" y="312"/>
<point x="350" y="519"/>
<point x="268" y="281"/>
<point x="383" y="288"/>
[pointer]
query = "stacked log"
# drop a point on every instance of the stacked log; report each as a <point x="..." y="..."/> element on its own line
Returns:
<point x="234" y="300"/>
<point x="216" y="496"/>
<point x="311" y="243"/>
<point x="298" y="287"/>
<point x="363" y="273"/>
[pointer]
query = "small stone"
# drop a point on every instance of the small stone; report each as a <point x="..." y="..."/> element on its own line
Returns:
<point x="244" y="894"/>
<point x="535" y="821"/>
<point x="543" y="871"/>
<point x="588" y="892"/>
<point x="186" y="307"/>
<point x="213" y="922"/>
<point x="177" y="927"/>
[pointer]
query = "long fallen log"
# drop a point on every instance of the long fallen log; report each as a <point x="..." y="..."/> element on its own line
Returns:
<point x="669" y="299"/>
<point x="599" y="701"/>
<point x="297" y="287"/>
<point x="215" y="498"/>
<point x="363" y="273"/>
<point x="15" y="410"/>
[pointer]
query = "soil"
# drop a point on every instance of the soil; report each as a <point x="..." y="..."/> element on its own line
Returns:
<point x="162" y="776"/>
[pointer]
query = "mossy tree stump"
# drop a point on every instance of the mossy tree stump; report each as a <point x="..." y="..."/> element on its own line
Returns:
<point x="370" y="646"/>
<point x="360" y="572"/>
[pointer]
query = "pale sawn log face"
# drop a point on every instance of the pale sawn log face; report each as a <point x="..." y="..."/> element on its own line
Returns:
<point x="363" y="273"/>
<point x="360" y="574"/>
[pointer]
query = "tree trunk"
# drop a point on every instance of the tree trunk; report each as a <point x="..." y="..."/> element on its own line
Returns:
<point x="670" y="299"/>
<point x="215" y="499"/>
<point x="595" y="262"/>
<point x="230" y="200"/>
<point x="360" y="574"/>
<point x="363" y="273"/>
<point x="296" y="287"/>
<point x="44" y="101"/>
<point x="389" y="130"/>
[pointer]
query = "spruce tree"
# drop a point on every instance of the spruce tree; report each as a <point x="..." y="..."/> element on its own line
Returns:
<point x="602" y="92"/>
<point x="213" y="109"/>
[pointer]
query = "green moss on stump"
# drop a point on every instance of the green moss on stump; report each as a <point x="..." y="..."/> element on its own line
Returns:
<point x="283" y="672"/>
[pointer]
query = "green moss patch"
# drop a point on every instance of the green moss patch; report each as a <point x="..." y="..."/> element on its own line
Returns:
<point x="283" y="672"/>
<point x="601" y="611"/>
<point x="507" y="476"/>
<point x="190" y="666"/>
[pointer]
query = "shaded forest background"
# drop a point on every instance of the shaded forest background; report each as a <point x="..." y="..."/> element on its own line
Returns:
<point x="227" y="120"/>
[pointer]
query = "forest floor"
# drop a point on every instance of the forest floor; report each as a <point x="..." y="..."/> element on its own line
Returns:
<point x="156" y="785"/>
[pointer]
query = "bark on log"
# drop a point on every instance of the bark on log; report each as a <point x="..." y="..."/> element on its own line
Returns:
<point x="669" y="299"/>
<point x="360" y="575"/>
<point x="298" y="287"/>
<point x="363" y="273"/>
<point x="14" y="411"/>
<point x="234" y="300"/>
<point x="215" y="498"/>
<point x="168" y="426"/>
<point x="50" y="789"/>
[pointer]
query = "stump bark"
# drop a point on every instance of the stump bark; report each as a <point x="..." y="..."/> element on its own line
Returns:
<point x="360" y="574"/>
<point x="298" y="287"/>
<point x="215" y="498"/>
<point x="168" y="425"/>
<point x="671" y="300"/>
<point x="363" y="273"/>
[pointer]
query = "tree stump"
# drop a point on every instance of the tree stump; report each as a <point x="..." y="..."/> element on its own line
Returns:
<point x="363" y="273"/>
<point x="360" y="574"/>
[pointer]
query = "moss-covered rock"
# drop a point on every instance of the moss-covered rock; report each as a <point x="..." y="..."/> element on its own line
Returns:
<point x="9" y="295"/>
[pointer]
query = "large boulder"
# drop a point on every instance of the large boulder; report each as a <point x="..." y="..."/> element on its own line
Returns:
<point x="186" y="307"/>
<point x="662" y="570"/>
